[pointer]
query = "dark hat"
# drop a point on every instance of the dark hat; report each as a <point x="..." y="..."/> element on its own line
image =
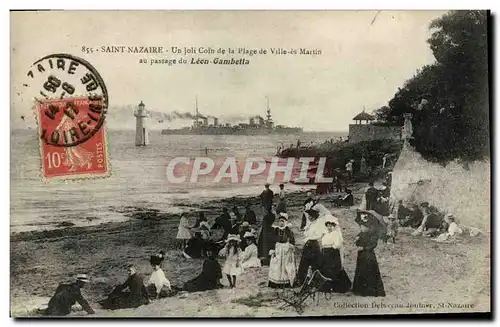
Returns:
<point x="156" y="259"/>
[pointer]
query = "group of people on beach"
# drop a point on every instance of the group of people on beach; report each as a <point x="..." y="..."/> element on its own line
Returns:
<point x="233" y="238"/>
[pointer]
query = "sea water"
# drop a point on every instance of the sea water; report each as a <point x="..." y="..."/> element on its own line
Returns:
<point x="138" y="177"/>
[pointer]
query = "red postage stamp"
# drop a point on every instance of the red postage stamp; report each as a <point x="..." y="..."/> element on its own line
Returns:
<point x="71" y="102"/>
<point x="63" y="124"/>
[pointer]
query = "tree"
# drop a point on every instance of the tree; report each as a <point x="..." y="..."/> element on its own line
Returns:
<point x="454" y="123"/>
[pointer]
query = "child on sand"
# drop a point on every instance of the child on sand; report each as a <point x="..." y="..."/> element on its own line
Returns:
<point x="183" y="233"/>
<point x="232" y="267"/>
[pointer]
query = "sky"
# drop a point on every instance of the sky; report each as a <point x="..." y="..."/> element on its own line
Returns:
<point x="363" y="61"/>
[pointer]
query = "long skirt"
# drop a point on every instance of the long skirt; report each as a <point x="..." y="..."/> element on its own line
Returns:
<point x="282" y="266"/>
<point x="331" y="267"/>
<point x="367" y="279"/>
<point x="121" y="300"/>
<point x="266" y="243"/>
<point x="311" y="257"/>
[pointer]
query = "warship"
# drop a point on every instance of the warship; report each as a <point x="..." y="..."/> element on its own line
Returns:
<point x="256" y="125"/>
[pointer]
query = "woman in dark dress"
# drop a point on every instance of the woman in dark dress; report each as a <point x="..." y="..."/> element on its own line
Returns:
<point x="367" y="279"/>
<point x="209" y="278"/>
<point x="332" y="260"/>
<point x="267" y="238"/>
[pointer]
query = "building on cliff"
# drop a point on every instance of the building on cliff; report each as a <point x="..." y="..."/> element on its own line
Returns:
<point x="364" y="130"/>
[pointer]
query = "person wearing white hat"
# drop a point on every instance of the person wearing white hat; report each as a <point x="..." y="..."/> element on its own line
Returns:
<point x="232" y="267"/>
<point x="66" y="295"/>
<point x="282" y="264"/>
<point x="332" y="263"/>
<point x="250" y="257"/>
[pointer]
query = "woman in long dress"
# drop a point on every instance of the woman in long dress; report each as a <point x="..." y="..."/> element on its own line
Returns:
<point x="367" y="279"/>
<point x="232" y="267"/>
<point x="250" y="257"/>
<point x="183" y="232"/>
<point x="282" y="271"/>
<point x="332" y="265"/>
<point x="266" y="238"/>
<point x="314" y="232"/>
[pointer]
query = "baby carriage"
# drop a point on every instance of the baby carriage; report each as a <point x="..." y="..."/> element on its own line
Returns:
<point x="311" y="288"/>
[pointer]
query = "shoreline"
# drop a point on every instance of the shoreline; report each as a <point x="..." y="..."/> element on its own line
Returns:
<point x="41" y="260"/>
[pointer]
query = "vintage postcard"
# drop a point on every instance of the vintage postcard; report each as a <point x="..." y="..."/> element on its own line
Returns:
<point x="249" y="163"/>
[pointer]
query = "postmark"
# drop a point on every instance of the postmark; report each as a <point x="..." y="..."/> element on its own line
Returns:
<point x="71" y="102"/>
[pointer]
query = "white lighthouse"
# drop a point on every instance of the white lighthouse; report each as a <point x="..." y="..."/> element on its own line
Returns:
<point x="141" y="134"/>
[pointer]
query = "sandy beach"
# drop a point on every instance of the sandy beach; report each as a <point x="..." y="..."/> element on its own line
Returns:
<point x="419" y="274"/>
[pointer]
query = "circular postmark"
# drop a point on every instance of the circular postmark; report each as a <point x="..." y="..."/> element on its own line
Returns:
<point x="71" y="99"/>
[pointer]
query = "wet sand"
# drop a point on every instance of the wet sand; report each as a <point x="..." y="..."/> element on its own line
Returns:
<point x="415" y="270"/>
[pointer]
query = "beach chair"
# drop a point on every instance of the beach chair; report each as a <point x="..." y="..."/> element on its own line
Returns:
<point x="311" y="288"/>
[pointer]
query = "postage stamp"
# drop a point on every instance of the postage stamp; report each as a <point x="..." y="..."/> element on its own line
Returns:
<point x="65" y="122"/>
<point x="70" y="107"/>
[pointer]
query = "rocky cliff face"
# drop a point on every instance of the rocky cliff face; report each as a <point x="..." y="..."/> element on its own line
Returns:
<point x="453" y="188"/>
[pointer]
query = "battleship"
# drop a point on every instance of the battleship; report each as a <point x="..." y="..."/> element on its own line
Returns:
<point x="256" y="125"/>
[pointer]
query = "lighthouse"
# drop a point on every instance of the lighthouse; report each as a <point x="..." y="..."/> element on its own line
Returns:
<point x="141" y="135"/>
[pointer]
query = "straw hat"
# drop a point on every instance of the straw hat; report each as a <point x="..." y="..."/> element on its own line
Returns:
<point x="332" y="220"/>
<point x="283" y="215"/>
<point x="204" y="225"/>
<point x="82" y="278"/>
<point x="248" y="235"/>
<point x="232" y="237"/>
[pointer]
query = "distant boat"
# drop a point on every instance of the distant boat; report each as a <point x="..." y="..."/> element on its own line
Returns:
<point x="257" y="125"/>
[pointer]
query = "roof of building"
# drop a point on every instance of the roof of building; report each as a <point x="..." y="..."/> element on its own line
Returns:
<point x="363" y="116"/>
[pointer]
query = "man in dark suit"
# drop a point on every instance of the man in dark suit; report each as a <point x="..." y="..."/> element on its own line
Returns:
<point x="66" y="295"/>
<point x="267" y="197"/>
<point x="136" y="295"/>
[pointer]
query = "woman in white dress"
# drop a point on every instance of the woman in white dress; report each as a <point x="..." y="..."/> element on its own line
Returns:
<point x="250" y="257"/>
<point x="314" y="232"/>
<point x="158" y="285"/>
<point x="183" y="233"/>
<point x="332" y="262"/>
<point x="232" y="252"/>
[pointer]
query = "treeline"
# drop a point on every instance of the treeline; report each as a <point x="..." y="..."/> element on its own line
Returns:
<point x="449" y="99"/>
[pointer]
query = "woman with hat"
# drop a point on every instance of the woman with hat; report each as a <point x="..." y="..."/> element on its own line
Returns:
<point x="250" y="256"/>
<point x="314" y="232"/>
<point x="158" y="284"/>
<point x="367" y="279"/>
<point x="282" y="271"/>
<point x="210" y="276"/>
<point x="332" y="249"/>
<point x="232" y="267"/>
